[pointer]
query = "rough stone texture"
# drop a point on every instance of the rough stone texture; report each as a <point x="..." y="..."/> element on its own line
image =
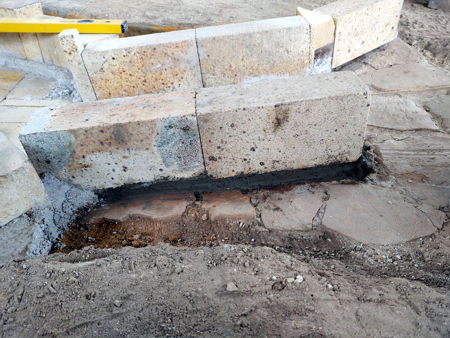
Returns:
<point x="321" y="28"/>
<point x="158" y="208"/>
<point x="246" y="51"/>
<point x="8" y="80"/>
<point x="393" y="112"/>
<point x="439" y="107"/>
<point x="282" y="124"/>
<point x="69" y="49"/>
<point x="291" y="210"/>
<point x="361" y="25"/>
<point x="371" y="214"/>
<point x="143" y="64"/>
<point x="410" y="77"/>
<point x="114" y="142"/>
<point x="32" y="88"/>
<point x="20" y="186"/>
<point x="231" y="205"/>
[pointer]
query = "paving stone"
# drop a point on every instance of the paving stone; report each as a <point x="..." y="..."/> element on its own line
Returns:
<point x="12" y="130"/>
<point x="32" y="88"/>
<point x="15" y="114"/>
<point x="20" y="187"/>
<point x="231" y="205"/>
<point x="371" y="214"/>
<point x="282" y="124"/>
<point x="412" y="77"/>
<point x="361" y="25"/>
<point x="291" y="210"/>
<point x="419" y="156"/>
<point x="16" y="237"/>
<point x="321" y="30"/>
<point x="439" y="106"/>
<point x="69" y="49"/>
<point x="246" y="51"/>
<point x="11" y="43"/>
<point x="400" y="113"/>
<point x="143" y="64"/>
<point x="8" y="80"/>
<point x="105" y="144"/>
<point x="158" y="208"/>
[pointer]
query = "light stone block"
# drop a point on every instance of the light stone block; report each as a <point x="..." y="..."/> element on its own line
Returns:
<point x="143" y="64"/>
<point x="20" y="187"/>
<point x="361" y="25"/>
<point x="233" y="53"/>
<point x="69" y="49"/>
<point x="283" y="124"/>
<point x="110" y="143"/>
<point x="321" y="28"/>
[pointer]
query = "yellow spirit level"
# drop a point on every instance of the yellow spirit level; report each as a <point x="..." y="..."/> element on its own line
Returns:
<point x="49" y="25"/>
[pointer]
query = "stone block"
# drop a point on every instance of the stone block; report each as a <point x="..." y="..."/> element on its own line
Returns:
<point x="247" y="51"/>
<point x="361" y="25"/>
<point x="229" y="205"/>
<point x="412" y="77"/>
<point x="371" y="214"/>
<point x="111" y="143"/>
<point x="143" y="64"/>
<point x="20" y="187"/>
<point x="282" y="124"/>
<point x="321" y="30"/>
<point x="8" y="80"/>
<point x="69" y="49"/>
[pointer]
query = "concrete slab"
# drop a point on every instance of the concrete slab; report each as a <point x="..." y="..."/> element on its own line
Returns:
<point x="110" y="143"/>
<point x="400" y="113"/>
<point x="231" y="205"/>
<point x="32" y="88"/>
<point x="143" y="64"/>
<point x="282" y="124"/>
<point x="8" y="80"/>
<point x="412" y="77"/>
<point x="439" y="107"/>
<point x="361" y="25"/>
<point x="158" y="208"/>
<point x="20" y="187"/>
<point x="15" y="114"/>
<point x="233" y="53"/>
<point x="291" y="210"/>
<point x="371" y="214"/>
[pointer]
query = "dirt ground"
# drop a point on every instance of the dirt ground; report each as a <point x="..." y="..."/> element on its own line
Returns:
<point x="230" y="279"/>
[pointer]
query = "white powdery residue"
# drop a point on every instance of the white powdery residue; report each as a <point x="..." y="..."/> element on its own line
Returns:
<point x="52" y="219"/>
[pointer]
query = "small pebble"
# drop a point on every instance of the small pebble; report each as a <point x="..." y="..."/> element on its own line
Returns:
<point x="299" y="279"/>
<point x="290" y="280"/>
<point x="231" y="287"/>
<point x="117" y="303"/>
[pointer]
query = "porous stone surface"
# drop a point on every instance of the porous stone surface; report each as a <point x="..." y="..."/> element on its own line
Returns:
<point x="8" y="79"/>
<point x="361" y="25"/>
<point x="400" y="113"/>
<point x="411" y="77"/>
<point x="376" y="215"/>
<point x="158" y="208"/>
<point x="231" y="205"/>
<point x="246" y="51"/>
<point x="292" y="210"/>
<point x="68" y="54"/>
<point x="143" y="64"/>
<point x="282" y="124"/>
<point x="20" y="186"/>
<point x="105" y="144"/>
<point x="321" y="30"/>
